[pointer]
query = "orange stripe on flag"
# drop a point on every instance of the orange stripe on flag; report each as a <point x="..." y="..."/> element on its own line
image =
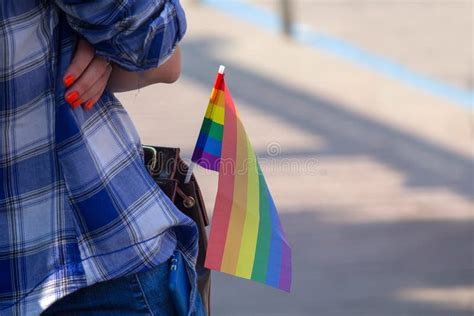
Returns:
<point x="239" y="205"/>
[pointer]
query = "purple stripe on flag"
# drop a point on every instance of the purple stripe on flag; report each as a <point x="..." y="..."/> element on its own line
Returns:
<point x="205" y="159"/>
<point x="275" y="255"/>
<point x="285" y="268"/>
<point x="285" y="274"/>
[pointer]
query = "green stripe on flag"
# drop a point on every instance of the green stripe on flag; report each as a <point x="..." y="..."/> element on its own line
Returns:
<point x="213" y="129"/>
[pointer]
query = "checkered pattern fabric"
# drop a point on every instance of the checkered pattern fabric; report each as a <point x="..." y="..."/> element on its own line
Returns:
<point x="77" y="204"/>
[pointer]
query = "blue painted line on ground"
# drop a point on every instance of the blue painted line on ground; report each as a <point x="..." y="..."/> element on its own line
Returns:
<point x="342" y="49"/>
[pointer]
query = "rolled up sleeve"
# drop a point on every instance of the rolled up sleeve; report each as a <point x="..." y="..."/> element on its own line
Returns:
<point x="135" y="34"/>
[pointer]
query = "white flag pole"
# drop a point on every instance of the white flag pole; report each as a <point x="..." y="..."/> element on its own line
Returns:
<point x="190" y="172"/>
<point x="221" y="69"/>
<point x="191" y="165"/>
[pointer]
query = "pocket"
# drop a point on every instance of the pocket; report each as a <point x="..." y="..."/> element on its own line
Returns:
<point x="179" y="284"/>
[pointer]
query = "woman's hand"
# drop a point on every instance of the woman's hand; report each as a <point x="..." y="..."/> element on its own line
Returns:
<point x="86" y="77"/>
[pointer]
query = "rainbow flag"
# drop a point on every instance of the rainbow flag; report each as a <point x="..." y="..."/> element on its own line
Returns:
<point x="246" y="237"/>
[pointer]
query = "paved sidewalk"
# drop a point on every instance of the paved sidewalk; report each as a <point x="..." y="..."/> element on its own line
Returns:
<point x="373" y="179"/>
<point x="431" y="37"/>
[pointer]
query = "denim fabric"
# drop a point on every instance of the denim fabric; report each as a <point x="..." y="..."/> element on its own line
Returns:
<point x="142" y="293"/>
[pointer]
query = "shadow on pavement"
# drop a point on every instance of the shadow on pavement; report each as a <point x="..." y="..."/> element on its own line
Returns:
<point x="349" y="268"/>
<point x="358" y="269"/>
<point x="346" y="133"/>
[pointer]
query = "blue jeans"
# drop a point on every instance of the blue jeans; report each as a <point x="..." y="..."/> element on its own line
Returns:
<point x="142" y="293"/>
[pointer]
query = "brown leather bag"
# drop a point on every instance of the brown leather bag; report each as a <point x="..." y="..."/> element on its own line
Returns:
<point x="169" y="171"/>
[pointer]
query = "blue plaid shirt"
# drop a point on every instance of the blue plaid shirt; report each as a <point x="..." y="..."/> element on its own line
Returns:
<point x="77" y="204"/>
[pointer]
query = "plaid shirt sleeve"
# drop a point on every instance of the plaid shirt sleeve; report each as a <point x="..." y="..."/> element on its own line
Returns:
<point x="135" y="34"/>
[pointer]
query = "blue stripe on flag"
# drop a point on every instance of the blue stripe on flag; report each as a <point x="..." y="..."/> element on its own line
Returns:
<point x="209" y="144"/>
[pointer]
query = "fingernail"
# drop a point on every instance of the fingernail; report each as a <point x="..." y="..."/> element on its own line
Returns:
<point x="72" y="96"/>
<point x="69" y="80"/>
<point x="76" y="103"/>
<point x="89" y="104"/>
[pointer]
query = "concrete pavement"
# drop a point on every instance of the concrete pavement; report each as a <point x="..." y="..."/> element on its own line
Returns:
<point x="431" y="37"/>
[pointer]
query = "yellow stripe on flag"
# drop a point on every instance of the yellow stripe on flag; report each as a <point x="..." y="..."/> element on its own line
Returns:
<point x="215" y="113"/>
<point x="209" y="109"/>
<point x="252" y="217"/>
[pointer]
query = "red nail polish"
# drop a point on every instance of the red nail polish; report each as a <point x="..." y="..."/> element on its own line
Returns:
<point x="69" y="80"/>
<point x="89" y="105"/>
<point x="71" y="96"/>
<point x="76" y="103"/>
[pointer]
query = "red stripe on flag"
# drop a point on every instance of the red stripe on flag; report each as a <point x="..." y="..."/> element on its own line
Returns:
<point x="219" y="80"/>
<point x="223" y="204"/>
<point x="218" y="85"/>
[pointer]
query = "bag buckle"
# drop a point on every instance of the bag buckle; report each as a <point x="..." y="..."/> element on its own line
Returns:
<point x="153" y="166"/>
